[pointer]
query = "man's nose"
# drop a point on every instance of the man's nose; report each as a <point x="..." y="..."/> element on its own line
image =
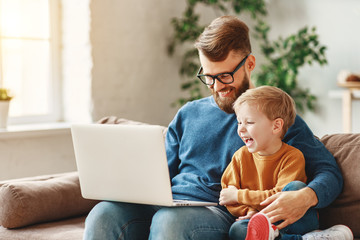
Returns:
<point x="217" y="86"/>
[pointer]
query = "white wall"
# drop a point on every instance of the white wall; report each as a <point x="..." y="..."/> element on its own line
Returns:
<point x="35" y="153"/>
<point x="132" y="76"/>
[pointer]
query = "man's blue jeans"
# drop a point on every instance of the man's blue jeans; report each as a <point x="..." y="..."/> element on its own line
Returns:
<point x="307" y="223"/>
<point x="113" y="220"/>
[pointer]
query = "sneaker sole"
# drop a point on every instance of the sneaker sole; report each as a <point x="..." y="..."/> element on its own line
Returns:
<point x="256" y="229"/>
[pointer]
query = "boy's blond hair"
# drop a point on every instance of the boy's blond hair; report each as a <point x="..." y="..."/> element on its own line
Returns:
<point x="271" y="101"/>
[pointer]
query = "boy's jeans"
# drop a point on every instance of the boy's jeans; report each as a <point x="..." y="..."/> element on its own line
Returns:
<point x="307" y="223"/>
<point x="110" y="220"/>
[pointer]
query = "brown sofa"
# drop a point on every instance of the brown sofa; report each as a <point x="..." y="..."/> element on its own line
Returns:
<point x="51" y="207"/>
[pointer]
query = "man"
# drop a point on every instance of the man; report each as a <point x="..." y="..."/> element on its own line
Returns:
<point x="200" y="143"/>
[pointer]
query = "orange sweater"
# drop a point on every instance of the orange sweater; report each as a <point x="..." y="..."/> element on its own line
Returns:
<point x="258" y="177"/>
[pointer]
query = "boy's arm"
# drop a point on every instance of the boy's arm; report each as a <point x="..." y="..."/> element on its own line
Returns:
<point x="241" y="211"/>
<point x="231" y="181"/>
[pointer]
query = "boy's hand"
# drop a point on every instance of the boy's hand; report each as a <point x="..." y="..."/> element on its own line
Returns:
<point x="228" y="196"/>
<point x="248" y="216"/>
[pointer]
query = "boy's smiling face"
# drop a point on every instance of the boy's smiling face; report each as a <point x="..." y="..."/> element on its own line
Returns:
<point x="256" y="130"/>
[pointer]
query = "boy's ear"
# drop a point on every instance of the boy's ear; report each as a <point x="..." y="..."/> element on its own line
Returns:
<point x="278" y="125"/>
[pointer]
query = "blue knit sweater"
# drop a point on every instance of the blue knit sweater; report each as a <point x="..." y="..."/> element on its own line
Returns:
<point x="202" y="138"/>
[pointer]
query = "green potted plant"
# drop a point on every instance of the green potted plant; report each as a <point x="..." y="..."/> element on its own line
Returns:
<point x="5" y="98"/>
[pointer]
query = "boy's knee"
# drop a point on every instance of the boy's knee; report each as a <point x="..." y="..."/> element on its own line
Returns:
<point x="238" y="230"/>
<point x="294" y="185"/>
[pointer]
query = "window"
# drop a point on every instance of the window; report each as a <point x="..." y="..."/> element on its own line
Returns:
<point x="30" y="58"/>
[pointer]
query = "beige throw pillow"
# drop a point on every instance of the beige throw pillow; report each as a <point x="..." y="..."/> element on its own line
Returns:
<point x="35" y="200"/>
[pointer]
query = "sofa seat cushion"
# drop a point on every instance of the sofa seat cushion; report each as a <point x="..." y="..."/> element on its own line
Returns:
<point x="346" y="208"/>
<point x="41" y="199"/>
<point x="69" y="229"/>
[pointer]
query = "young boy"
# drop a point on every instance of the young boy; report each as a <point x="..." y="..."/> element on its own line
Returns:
<point x="264" y="166"/>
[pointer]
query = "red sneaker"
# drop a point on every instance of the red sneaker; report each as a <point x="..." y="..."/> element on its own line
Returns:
<point x="260" y="228"/>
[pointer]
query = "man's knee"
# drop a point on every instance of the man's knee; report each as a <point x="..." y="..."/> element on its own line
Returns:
<point x="115" y="220"/>
<point x="99" y="223"/>
<point x="100" y="213"/>
<point x="165" y="222"/>
<point x="294" y="185"/>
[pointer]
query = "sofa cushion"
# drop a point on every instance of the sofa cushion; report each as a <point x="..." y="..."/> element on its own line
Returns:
<point x="68" y="229"/>
<point x="41" y="199"/>
<point x="346" y="208"/>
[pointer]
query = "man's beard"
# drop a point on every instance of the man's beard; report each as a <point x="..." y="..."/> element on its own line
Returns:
<point x="227" y="104"/>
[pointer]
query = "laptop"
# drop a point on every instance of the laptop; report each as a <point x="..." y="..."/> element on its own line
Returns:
<point x="125" y="163"/>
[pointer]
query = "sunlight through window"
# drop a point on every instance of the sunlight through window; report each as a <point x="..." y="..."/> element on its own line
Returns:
<point x="26" y="56"/>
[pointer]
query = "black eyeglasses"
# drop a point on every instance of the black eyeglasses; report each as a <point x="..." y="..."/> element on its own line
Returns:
<point x="225" y="78"/>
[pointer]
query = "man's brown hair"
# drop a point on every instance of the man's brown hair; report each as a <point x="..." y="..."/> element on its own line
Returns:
<point x="223" y="35"/>
<point x="271" y="101"/>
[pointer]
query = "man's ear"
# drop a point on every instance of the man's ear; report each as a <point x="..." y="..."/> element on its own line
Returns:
<point x="278" y="125"/>
<point x="251" y="63"/>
